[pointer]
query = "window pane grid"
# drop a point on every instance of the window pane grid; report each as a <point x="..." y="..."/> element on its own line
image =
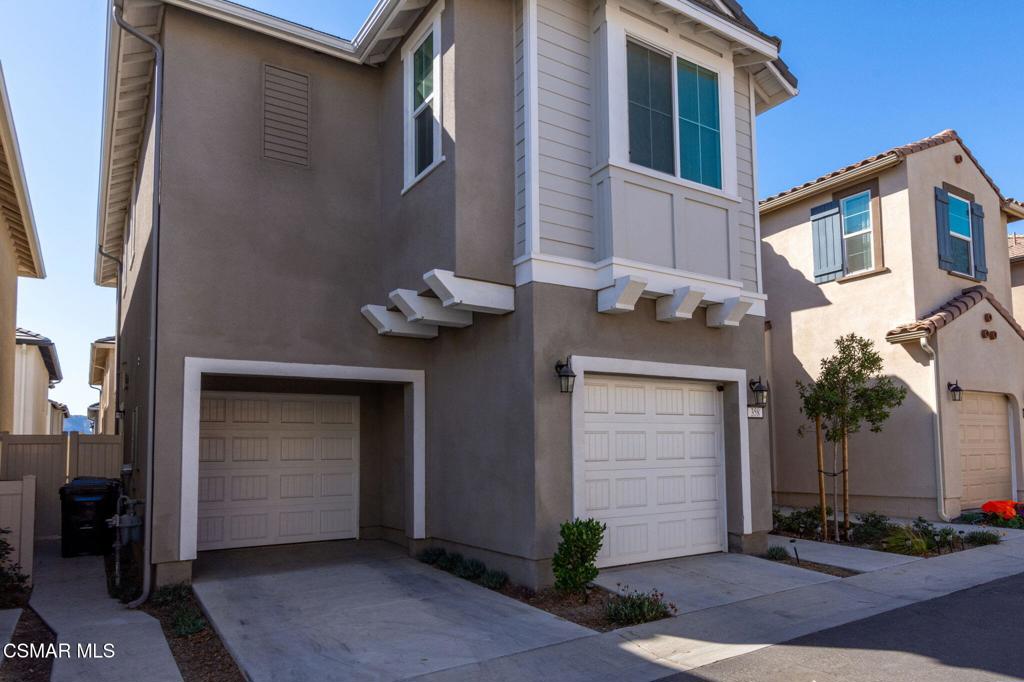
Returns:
<point x="699" y="135"/>
<point x="960" y="242"/>
<point x="422" y="104"/>
<point x="858" y="237"/>
<point x="649" y="92"/>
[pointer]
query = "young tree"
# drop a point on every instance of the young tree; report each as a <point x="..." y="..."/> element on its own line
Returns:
<point x="850" y="391"/>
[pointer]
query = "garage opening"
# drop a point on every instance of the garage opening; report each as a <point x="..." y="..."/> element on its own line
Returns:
<point x="299" y="460"/>
<point x="984" y="449"/>
<point x="654" y="467"/>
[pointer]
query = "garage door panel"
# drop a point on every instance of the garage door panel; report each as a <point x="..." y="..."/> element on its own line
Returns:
<point x="984" y="448"/>
<point x="277" y="469"/>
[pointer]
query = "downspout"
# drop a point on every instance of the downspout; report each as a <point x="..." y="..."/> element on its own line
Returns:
<point x="940" y="479"/>
<point x="158" y="66"/>
<point x="117" y="341"/>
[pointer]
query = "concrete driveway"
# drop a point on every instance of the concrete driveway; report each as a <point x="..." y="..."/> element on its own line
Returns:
<point x="359" y="610"/>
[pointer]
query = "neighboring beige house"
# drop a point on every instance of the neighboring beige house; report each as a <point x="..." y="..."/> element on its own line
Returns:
<point x="20" y="255"/>
<point x="908" y="249"/>
<point x="373" y="253"/>
<point x="103" y="375"/>
<point x="1015" y="244"/>
<point x="36" y="371"/>
<point x="58" y="413"/>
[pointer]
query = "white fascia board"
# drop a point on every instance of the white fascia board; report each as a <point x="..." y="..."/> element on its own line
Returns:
<point x="723" y="27"/>
<point x="9" y="136"/>
<point x="389" y="323"/>
<point x="471" y="294"/>
<point x="661" y="281"/>
<point x="109" y="97"/>
<point x="428" y="310"/>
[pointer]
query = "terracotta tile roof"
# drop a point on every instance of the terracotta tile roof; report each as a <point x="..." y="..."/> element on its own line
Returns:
<point x="949" y="311"/>
<point x="899" y="153"/>
<point x="1016" y="243"/>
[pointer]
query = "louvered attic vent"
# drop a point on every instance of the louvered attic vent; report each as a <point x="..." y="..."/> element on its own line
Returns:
<point x="285" y="115"/>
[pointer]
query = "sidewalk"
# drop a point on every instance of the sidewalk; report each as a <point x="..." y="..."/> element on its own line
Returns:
<point x="8" y="621"/>
<point x="70" y="595"/>
<point x="654" y="650"/>
<point x="844" y="556"/>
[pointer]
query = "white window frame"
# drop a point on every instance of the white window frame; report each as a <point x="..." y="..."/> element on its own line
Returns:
<point x="870" y="230"/>
<point x="954" y="235"/>
<point x="624" y="28"/>
<point x="429" y="25"/>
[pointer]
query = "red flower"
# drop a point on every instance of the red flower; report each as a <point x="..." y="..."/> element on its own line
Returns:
<point x="1005" y="509"/>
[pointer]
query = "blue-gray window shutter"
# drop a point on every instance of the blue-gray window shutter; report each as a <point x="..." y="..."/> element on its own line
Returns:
<point x="942" y="229"/>
<point x="827" y="241"/>
<point x="978" y="238"/>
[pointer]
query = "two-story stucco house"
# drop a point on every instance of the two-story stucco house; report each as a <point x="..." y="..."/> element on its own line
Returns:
<point x="102" y="376"/>
<point x="343" y="316"/>
<point x="907" y="248"/>
<point x="20" y="255"/>
<point x="36" y="371"/>
<point x="1015" y="244"/>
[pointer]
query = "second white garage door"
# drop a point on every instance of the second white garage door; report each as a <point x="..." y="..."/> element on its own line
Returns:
<point x="654" y="467"/>
<point x="277" y="469"/>
<point x="984" y="449"/>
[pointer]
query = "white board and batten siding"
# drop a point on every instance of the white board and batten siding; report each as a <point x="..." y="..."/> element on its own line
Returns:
<point x="654" y="467"/>
<point x="277" y="469"/>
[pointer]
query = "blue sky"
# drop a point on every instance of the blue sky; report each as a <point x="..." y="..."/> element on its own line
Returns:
<point x="873" y="74"/>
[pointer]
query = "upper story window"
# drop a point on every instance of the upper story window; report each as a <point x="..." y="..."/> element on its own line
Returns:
<point x="960" y="232"/>
<point x="960" y="235"/>
<point x="422" y="77"/>
<point x="857" y="232"/>
<point x="663" y="89"/>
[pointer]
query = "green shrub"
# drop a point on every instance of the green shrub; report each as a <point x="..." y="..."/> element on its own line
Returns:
<point x="187" y="620"/>
<point x="431" y="555"/>
<point x="777" y="553"/>
<point x="999" y="522"/>
<point x="982" y="537"/>
<point x="946" y="538"/>
<point x="450" y="562"/>
<point x="871" y="528"/>
<point x="905" y="540"/>
<point x="635" y="607"/>
<point x="802" y="522"/>
<point x="13" y="583"/>
<point x="574" y="563"/>
<point x="970" y="517"/>
<point x="471" y="569"/>
<point x="494" y="580"/>
<point x="172" y="595"/>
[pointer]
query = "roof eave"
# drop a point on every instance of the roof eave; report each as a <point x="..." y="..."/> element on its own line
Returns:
<point x="9" y="136"/>
<point x="852" y="175"/>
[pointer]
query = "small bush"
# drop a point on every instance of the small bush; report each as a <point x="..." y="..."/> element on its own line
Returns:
<point x="450" y="562"/>
<point x="979" y="538"/>
<point x="802" y="522"/>
<point x="574" y="564"/>
<point x="187" y="620"/>
<point x="777" y="553"/>
<point x="13" y="583"/>
<point x="471" y="569"/>
<point x="871" y="528"/>
<point x="431" y="555"/>
<point x="637" y="607"/>
<point x="172" y="595"/>
<point x="494" y="580"/>
<point x="905" y="540"/>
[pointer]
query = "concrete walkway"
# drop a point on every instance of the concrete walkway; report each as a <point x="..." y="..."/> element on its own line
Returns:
<point x="844" y="556"/>
<point x="654" y="650"/>
<point x="8" y="621"/>
<point x="70" y="595"/>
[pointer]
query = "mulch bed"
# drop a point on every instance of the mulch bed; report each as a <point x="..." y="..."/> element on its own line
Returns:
<point x="820" y="568"/>
<point x="957" y="546"/>
<point x="201" y="657"/>
<point x="589" y="613"/>
<point x="30" y="630"/>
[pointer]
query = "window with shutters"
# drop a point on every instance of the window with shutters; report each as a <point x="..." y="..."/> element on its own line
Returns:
<point x="857" y="233"/>
<point x="674" y="115"/>
<point x="961" y="239"/>
<point x="421" y="59"/>
<point x="846" y="234"/>
<point x="285" y="115"/>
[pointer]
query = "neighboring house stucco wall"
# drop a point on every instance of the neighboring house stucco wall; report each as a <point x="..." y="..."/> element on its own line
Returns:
<point x="892" y="472"/>
<point x="31" y="388"/>
<point x="1017" y="285"/>
<point x="8" y="314"/>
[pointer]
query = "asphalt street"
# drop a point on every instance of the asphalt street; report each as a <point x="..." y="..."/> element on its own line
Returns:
<point x="976" y="634"/>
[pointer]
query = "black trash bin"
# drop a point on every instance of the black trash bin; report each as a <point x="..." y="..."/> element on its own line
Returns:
<point x="85" y="505"/>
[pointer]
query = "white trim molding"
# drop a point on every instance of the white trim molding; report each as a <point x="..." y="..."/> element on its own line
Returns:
<point x="660" y="281"/>
<point x="195" y="368"/>
<point x="582" y="365"/>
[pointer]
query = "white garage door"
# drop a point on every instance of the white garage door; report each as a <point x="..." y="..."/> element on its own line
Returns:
<point x="277" y="468"/>
<point x="984" y="449"/>
<point x="654" y="468"/>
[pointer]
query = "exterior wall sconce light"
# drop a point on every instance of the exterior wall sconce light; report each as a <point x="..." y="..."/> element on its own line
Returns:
<point x="567" y="377"/>
<point x="760" y="392"/>
<point x="955" y="391"/>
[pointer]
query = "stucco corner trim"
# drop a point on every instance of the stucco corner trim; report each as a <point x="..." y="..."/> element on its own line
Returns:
<point x="583" y="365"/>
<point x="415" y="379"/>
